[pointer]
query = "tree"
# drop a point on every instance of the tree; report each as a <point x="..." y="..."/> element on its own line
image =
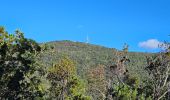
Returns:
<point x="121" y="84"/>
<point x="158" y="68"/>
<point x="17" y="66"/>
<point x="97" y="82"/>
<point x="117" y="71"/>
<point x="64" y="82"/>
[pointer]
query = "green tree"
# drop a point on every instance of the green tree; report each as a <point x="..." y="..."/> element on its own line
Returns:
<point x="18" y="66"/>
<point x="64" y="81"/>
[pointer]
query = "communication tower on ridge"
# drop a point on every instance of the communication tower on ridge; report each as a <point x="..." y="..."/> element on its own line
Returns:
<point x="87" y="39"/>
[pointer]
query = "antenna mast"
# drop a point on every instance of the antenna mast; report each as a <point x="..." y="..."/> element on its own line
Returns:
<point x="87" y="39"/>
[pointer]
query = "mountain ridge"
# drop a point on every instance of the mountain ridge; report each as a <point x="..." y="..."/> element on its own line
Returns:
<point x="91" y="44"/>
<point x="89" y="56"/>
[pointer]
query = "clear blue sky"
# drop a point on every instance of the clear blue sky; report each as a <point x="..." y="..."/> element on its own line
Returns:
<point x="110" y="23"/>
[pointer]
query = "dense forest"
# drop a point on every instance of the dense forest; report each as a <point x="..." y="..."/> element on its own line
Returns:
<point x="66" y="70"/>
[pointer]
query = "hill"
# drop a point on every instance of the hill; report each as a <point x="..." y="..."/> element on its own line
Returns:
<point x="87" y="56"/>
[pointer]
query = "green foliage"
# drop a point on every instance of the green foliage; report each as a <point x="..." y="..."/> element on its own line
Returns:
<point x="63" y="69"/>
<point x="89" y="56"/>
<point x="17" y="66"/>
<point x="130" y="90"/>
<point x="78" y="90"/>
<point x="125" y="92"/>
<point x="71" y="71"/>
<point x="127" y="86"/>
<point x="64" y="81"/>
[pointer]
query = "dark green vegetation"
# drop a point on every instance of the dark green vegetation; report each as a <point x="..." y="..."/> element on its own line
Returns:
<point x="89" y="56"/>
<point x="66" y="70"/>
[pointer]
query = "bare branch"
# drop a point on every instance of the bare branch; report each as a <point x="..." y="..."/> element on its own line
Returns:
<point x="163" y="94"/>
<point x="167" y="74"/>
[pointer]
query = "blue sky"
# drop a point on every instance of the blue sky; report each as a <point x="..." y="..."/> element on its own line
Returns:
<point x="110" y="23"/>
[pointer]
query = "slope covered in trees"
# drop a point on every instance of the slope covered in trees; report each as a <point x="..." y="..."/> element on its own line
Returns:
<point x="89" y="56"/>
<point x="68" y="70"/>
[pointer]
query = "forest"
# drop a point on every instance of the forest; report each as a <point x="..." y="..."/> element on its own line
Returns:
<point x="66" y="70"/>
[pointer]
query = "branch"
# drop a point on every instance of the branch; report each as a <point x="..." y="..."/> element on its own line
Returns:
<point x="167" y="74"/>
<point x="119" y="79"/>
<point x="163" y="94"/>
<point x="103" y="95"/>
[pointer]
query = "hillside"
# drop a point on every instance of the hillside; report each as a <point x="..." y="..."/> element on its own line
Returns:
<point x="87" y="56"/>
